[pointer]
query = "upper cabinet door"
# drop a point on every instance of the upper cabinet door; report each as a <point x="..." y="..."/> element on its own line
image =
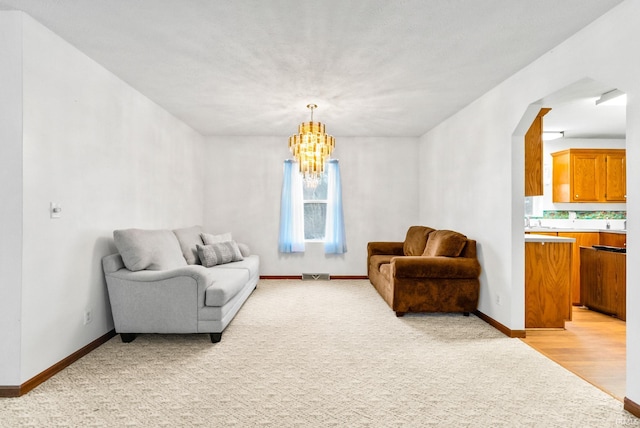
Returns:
<point x="585" y="174"/>
<point x="616" y="182"/>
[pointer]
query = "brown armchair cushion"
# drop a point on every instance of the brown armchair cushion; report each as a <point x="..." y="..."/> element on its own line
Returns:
<point x="416" y="240"/>
<point x="445" y="243"/>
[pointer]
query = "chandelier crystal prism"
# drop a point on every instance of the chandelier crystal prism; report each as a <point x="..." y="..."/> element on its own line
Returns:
<point x="311" y="147"/>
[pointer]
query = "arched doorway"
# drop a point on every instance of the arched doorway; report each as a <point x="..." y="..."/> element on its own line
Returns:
<point x="593" y="345"/>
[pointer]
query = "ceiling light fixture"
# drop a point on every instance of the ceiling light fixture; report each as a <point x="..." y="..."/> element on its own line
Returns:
<point x="310" y="147"/>
<point x="552" y="135"/>
<point x="612" y="98"/>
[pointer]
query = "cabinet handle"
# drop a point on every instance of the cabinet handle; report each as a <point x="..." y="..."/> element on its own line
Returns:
<point x="577" y="196"/>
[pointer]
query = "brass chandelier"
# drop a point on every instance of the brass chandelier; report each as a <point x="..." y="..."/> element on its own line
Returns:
<point x="310" y="147"/>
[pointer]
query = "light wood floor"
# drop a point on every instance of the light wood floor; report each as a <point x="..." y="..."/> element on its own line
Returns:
<point x="593" y="346"/>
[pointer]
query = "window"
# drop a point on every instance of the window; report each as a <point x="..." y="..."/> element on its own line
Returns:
<point x="311" y="214"/>
<point x="315" y="210"/>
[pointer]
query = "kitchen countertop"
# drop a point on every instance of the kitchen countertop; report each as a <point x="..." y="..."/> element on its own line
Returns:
<point x="562" y="229"/>
<point x="546" y="238"/>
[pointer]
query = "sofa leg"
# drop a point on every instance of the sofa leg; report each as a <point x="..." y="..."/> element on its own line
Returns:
<point x="127" y="337"/>
<point x="215" y="337"/>
<point x="400" y="314"/>
<point x="466" y="314"/>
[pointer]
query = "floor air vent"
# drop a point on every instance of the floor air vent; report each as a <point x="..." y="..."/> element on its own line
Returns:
<point x="315" y="276"/>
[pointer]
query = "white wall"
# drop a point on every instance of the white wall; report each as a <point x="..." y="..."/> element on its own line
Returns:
<point x="483" y="195"/>
<point x="10" y="195"/>
<point x="243" y="180"/>
<point x="469" y="190"/>
<point x="113" y="159"/>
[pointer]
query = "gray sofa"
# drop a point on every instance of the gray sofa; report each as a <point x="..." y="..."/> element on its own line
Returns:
<point x="180" y="281"/>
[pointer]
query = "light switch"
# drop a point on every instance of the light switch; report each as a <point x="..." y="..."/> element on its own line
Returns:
<point x="55" y="210"/>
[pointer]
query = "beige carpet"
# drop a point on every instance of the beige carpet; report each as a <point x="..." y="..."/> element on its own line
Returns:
<point x="319" y="354"/>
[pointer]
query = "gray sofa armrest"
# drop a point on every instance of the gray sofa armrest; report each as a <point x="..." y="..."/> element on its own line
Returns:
<point x="158" y="301"/>
<point x="114" y="267"/>
<point x="197" y="272"/>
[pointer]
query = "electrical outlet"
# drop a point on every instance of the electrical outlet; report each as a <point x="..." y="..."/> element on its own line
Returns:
<point x="499" y="299"/>
<point x="87" y="316"/>
<point x="55" y="210"/>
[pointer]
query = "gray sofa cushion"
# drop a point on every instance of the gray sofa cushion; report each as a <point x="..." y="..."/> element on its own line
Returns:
<point x="250" y="264"/>
<point x="148" y="249"/>
<point x="244" y="249"/>
<point x="188" y="238"/>
<point x="226" y="284"/>
<point x="112" y="263"/>
<point x="209" y="239"/>
<point x="219" y="253"/>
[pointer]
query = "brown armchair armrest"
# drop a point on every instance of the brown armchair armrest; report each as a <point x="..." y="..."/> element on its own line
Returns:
<point x="385" y="248"/>
<point x="435" y="267"/>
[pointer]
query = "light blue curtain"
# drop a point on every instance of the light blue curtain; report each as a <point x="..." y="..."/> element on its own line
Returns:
<point x="335" y="242"/>
<point x="291" y="238"/>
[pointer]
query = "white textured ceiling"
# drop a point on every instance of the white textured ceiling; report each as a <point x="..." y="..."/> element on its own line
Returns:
<point x="574" y="112"/>
<point x="374" y="67"/>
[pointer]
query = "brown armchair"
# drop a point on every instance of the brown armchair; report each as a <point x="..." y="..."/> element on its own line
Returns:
<point x="431" y="271"/>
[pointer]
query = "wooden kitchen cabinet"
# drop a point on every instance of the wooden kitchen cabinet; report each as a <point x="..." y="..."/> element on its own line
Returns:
<point x="533" y="180"/>
<point x="547" y="284"/>
<point x="615" y="176"/>
<point x="589" y="175"/>
<point x="583" y="239"/>
<point x="612" y="239"/>
<point x="604" y="281"/>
